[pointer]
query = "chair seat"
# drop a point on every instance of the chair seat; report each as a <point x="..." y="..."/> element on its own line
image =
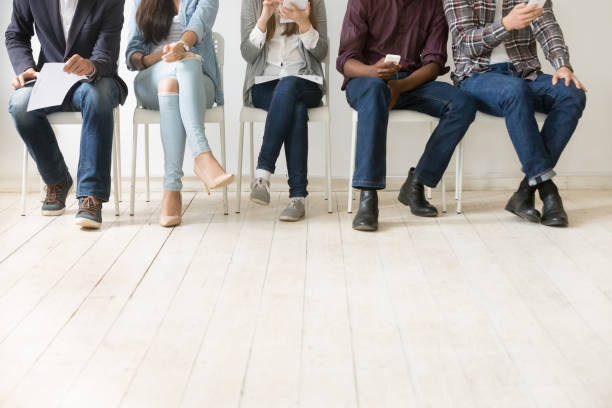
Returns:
<point x="250" y="114"/>
<point x="148" y="116"/>
<point x="65" y="118"/>
<point x="483" y="117"/>
<point x="412" y="116"/>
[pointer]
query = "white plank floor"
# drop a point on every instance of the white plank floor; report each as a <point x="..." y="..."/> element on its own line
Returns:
<point x="473" y="310"/>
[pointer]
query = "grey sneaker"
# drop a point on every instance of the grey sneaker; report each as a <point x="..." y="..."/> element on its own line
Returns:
<point x="55" y="200"/>
<point x="260" y="191"/>
<point x="90" y="213"/>
<point x="295" y="211"/>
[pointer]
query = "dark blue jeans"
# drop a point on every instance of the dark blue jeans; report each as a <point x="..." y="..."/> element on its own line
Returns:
<point x="503" y="93"/>
<point x="287" y="102"/>
<point x="96" y="102"/>
<point x="370" y="97"/>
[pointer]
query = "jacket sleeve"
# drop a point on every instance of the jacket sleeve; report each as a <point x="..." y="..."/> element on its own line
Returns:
<point x="322" y="47"/>
<point x="135" y="40"/>
<point x="203" y="18"/>
<point x="550" y="36"/>
<point x="354" y="34"/>
<point x="106" y="50"/>
<point x="437" y="39"/>
<point x="18" y="37"/>
<point x="248" y="20"/>
<point x="472" y="41"/>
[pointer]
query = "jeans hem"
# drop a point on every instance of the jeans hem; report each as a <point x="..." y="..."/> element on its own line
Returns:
<point x="96" y="194"/>
<point x="368" y="184"/>
<point x="542" y="177"/>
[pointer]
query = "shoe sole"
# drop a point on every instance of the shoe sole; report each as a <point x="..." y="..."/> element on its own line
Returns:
<point x="526" y="217"/>
<point x="260" y="202"/>
<point x="55" y="213"/>
<point x="290" y="219"/>
<point x="87" y="223"/>
<point x="407" y="204"/>
<point x="555" y="224"/>
<point x="365" y="228"/>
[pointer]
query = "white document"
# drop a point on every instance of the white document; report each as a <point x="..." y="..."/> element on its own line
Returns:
<point x="300" y="4"/>
<point x="269" y="78"/>
<point x="540" y="3"/>
<point x="52" y="86"/>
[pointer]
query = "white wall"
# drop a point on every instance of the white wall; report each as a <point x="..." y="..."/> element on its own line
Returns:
<point x="488" y="150"/>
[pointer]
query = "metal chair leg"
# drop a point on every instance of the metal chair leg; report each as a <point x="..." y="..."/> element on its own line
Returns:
<point x="133" y="175"/>
<point x="24" y="181"/>
<point x="239" y="181"/>
<point x="224" y="164"/>
<point x="352" y="165"/>
<point x="147" y="174"/>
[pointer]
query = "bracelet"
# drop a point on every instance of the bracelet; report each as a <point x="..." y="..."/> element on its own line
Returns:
<point x="186" y="46"/>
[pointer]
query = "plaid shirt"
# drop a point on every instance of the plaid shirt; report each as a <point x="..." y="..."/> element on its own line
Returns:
<point x="475" y="35"/>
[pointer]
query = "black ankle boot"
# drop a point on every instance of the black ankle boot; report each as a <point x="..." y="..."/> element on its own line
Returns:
<point x="412" y="194"/>
<point x="367" y="216"/>
<point x="522" y="203"/>
<point x="553" y="213"/>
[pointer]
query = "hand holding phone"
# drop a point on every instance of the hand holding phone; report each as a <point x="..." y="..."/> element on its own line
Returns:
<point x="396" y="59"/>
<point x="540" y="3"/>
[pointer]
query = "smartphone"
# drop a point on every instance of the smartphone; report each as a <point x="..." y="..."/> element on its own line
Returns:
<point x="299" y="4"/>
<point x="393" y="58"/>
<point x="540" y="3"/>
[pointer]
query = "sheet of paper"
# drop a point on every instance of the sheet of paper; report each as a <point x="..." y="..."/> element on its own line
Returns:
<point x="269" y="78"/>
<point x="52" y="86"/>
<point x="300" y="4"/>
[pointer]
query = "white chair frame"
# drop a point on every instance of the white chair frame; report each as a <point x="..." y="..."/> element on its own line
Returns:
<point x="75" y="118"/>
<point x="146" y="117"/>
<point x="252" y="115"/>
<point x="406" y="116"/>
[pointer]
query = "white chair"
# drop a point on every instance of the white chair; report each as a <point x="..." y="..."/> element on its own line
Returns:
<point x="251" y="115"/>
<point x="146" y="117"/>
<point x="401" y="116"/>
<point x="75" y="118"/>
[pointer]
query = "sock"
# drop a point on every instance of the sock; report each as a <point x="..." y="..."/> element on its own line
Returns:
<point x="525" y="185"/>
<point x="264" y="174"/>
<point x="547" y="188"/>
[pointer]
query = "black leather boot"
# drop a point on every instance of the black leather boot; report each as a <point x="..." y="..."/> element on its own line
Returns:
<point x="522" y="203"/>
<point x="367" y="216"/>
<point x="553" y="213"/>
<point x="412" y="194"/>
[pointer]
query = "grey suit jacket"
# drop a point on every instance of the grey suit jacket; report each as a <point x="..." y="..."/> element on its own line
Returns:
<point x="256" y="58"/>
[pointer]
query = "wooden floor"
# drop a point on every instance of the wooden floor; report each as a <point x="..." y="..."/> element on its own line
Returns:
<point x="473" y="310"/>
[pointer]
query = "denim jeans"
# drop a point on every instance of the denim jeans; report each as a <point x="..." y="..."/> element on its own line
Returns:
<point x="370" y="98"/>
<point x="96" y="102"/>
<point x="287" y="102"/>
<point x="503" y="93"/>
<point x="181" y="115"/>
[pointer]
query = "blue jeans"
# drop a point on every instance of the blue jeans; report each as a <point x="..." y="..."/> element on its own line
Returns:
<point x="181" y="115"/>
<point x="96" y="102"/>
<point x="370" y="98"/>
<point x="503" y="93"/>
<point x="287" y="102"/>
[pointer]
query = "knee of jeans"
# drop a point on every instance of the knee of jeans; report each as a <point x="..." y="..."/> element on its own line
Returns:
<point x="464" y="105"/>
<point x="18" y="104"/>
<point x="168" y="86"/>
<point x="287" y="86"/>
<point x="572" y="97"/>
<point x="97" y="97"/>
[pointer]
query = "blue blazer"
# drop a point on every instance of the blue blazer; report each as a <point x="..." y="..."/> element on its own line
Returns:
<point x="197" y="16"/>
<point x="95" y="34"/>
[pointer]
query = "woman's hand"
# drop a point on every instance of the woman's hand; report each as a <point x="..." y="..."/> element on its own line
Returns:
<point x="266" y="13"/>
<point x="174" y="52"/>
<point x="301" y="17"/>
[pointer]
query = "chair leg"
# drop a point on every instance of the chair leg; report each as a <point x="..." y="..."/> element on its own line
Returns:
<point x="328" y="167"/>
<point x="24" y="181"/>
<point x="457" y="171"/>
<point x="460" y="183"/>
<point x="147" y="173"/>
<point x="118" y="135"/>
<point x="443" y="194"/>
<point x="224" y="164"/>
<point x="115" y="155"/>
<point x="133" y="175"/>
<point x="352" y="167"/>
<point x="239" y="181"/>
<point x="252" y="147"/>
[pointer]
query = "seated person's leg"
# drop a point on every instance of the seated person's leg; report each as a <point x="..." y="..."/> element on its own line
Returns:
<point x="38" y="136"/>
<point x="456" y="111"/>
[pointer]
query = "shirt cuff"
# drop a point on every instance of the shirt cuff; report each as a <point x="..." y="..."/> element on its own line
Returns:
<point x="310" y="38"/>
<point x="257" y="38"/>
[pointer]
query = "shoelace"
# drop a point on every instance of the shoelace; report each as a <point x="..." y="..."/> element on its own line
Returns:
<point x="260" y="182"/>
<point x="52" y="192"/>
<point x="90" y="205"/>
<point x="293" y="202"/>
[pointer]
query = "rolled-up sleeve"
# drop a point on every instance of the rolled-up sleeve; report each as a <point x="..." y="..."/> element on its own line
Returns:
<point x="354" y="33"/>
<point x="435" y="50"/>
<point x="204" y="18"/>
<point x="310" y="38"/>
<point x="257" y="38"/>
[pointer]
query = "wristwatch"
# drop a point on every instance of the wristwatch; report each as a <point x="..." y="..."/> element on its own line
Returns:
<point x="185" y="45"/>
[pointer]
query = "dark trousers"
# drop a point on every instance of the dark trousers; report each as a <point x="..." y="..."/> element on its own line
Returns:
<point x="370" y="98"/>
<point x="503" y="93"/>
<point x="287" y="102"/>
<point x="96" y="102"/>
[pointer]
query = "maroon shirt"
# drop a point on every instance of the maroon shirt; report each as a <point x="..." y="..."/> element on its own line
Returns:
<point x="414" y="29"/>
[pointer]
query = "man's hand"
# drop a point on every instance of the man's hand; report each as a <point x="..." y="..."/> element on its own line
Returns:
<point x="174" y="52"/>
<point x="301" y="17"/>
<point x="384" y="70"/>
<point x="20" y="80"/>
<point x="79" y="66"/>
<point x="564" y="73"/>
<point x="394" y="88"/>
<point x="521" y="16"/>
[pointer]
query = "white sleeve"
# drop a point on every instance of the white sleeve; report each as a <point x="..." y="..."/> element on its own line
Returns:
<point x="257" y="38"/>
<point x="310" y="38"/>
